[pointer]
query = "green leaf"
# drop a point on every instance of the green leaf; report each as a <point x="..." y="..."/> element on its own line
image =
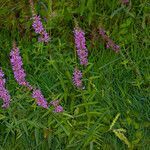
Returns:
<point x="2" y="116"/>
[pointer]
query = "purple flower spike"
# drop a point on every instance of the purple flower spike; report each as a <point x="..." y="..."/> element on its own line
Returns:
<point x="41" y="101"/>
<point x="16" y="62"/>
<point x="77" y="78"/>
<point x="39" y="29"/>
<point x="55" y="103"/>
<point x="4" y="94"/>
<point x="44" y="37"/>
<point x="37" y="24"/>
<point x="102" y="32"/>
<point x="58" y="109"/>
<point x="82" y="51"/>
<point x="109" y="42"/>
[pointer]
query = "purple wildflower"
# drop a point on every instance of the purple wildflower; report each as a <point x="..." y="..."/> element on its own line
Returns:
<point x="82" y="51"/>
<point x="38" y="27"/>
<point x="77" y="78"/>
<point x="37" y="24"/>
<point x="55" y="103"/>
<point x="16" y="62"/>
<point x="4" y="94"/>
<point x="109" y="42"/>
<point x="58" y="109"/>
<point x="41" y="101"/>
<point x="44" y="37"/>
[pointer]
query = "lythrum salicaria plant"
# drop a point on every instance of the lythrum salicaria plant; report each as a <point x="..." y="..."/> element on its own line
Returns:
<point x="17" y="66"/>
<point x="38" y="26"/>
<point x="19" y="74"/>
<point x="109" y="42"/>
<point x="57" y="108"/>
<point x="4" y="94"/>
<point x="80" y="43"/>
<point x="40" y="100"/>
<point x="77" y="78"/>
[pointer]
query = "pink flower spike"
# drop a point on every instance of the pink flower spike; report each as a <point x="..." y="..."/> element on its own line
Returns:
<point x="55" y="103"/>
<point x="58" y="109"/>
<point x="77" y="78"/>
<point x="4" y="94"/>
<point x="80" y="42"/>
<point x="39" y="29"/>
<point x="38" y="96"/>
<point x="17" y="66"/>
<point x="109" y="43"/>
<point x="38" y="26"/>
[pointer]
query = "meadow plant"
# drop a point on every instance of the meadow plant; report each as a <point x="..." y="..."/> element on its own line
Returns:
<point x="54" y="103"/>
<point x="19" y="74"/>
<point x="77" y="78"/>
<point x="38" y="26"/>
<point x="109" y="42"/>
<point x="17" y="66"/>
<point x="57" y="108"/>
<point x="41" y="101"/>
<point x="112" y="113"/>
<point x="80" y="43"/>
<point x="4" y="94"/>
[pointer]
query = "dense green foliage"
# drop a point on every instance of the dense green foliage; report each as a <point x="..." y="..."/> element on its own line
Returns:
<point x="112" y="112"/>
